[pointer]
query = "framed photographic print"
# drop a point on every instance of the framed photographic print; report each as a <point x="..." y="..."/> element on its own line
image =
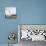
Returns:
<point x="31" y="32"/>
<point x="10" y="12"/>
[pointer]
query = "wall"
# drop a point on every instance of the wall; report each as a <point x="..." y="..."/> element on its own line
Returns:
<point x="28" y="12"/>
